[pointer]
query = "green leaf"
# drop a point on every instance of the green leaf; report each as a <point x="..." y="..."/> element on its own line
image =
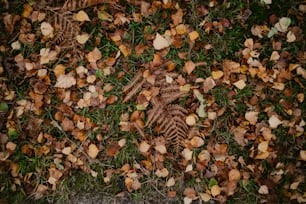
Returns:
<point x="212" y="182"/>
<point x="272" y="32"/>
<point x="3" y="107"/>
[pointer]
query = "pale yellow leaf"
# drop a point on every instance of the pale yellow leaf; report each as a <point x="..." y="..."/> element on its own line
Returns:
<point x="197" y="141"/>
<point x="170" y="182"/>
<point x="240" y="84"/>
<point x="122" y="142"/>
<point x="46" y="29"/>
<point x="274" y="122"/>
<point x="187" y="200"/>
<point x="82" y="39"/>
<point x="215" y="190"/>
<point x="181" y="29"/>
<point x="274" y="56"/>
<point x="217" y="74"/>
<point x="160" y="42"/>
<point x="187" y="154"/>
<point x="290" y="37"/>
<point x="278" y="86"/>
<point x="162" y="172"/>
<point x="16" y="45"/>
<point x="204" y="155"/>
<point x="81" y="16"/>
<point x="144" y="147"/>
<point x="189" y="167"/>
<point x="205" y="197"/>
<point x="65" y="81"/>
<point x="303" y="155"/>
<point x="93" y="151"/>
<point x="262" y="155"/>
<point x="191" y="119"/>
<point x="66" y="150"/>
<point x="263" y="190"/>
<point x="161" y="148"/>
<point x="252" y="117"/>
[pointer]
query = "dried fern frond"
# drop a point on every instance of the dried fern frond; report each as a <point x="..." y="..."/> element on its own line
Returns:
<point x="73" y="5"/>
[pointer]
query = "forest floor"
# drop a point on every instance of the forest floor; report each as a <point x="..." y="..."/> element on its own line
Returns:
<point x="114" y="101"/>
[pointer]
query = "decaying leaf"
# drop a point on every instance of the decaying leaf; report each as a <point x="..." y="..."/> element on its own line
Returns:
<point x="65" y="81"/>
<point x="81" y="16"/>
<point x="263" y="190"/>
<point x="189" y="67"/>
<point x="252" y="117"/>
<point x="160" y="42"/>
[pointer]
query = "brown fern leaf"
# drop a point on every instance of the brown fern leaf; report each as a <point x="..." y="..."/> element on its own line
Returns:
<point x="133" y="87"/>
<point x="73" y="5"/>
<point x="170" y="118"/>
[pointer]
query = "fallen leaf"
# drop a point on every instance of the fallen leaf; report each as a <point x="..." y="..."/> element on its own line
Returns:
<point x="94" y="55"/>
<point x="189" y="67"/>
<point x="193" y="35"/>
<point x="187" y="200"/>
<point x="190" y="193"/>
<point x="66" y="150"/>
<point x="303" y="155"/>
<point x="144" y="147"/>
<point x="189" y="168"/>
<point x="16" y="45"/>
<point x="160" y="42"/>
<point x="81" y="16"/>
<point x="274" y="122"/>
<point x="262" y="155"/>
<point x="65" y="81"/>
<point x="205" y="197"/>
<point x="11" y="146"/>
<point x="278" y="86"/>
<point x="191" y="119"/>
<point x="234" y="175"/>
<point x="215" y="190"/>
<point x="187" y="154"/>
<point x="93" y="151"/>
<point x="46" y="29"/>
<point x="197" y="142"/>
<point x="240" y="84"/>
<point x="252" y="117"/>
<point x="274" y="56"/>
<point x="181" y="29"/>
<point x="170" y="182"/>
<point x="283" y="24"/>
<point x="82" y="39"/>
<point x="204" y="155"/>
<point x="217" y="74"/>
<point x="290" y="37"/>
<point x="162" y="172"/>
<point x="177" y="18"/>
<point x="208" y="84"/>
<point x="161" y="148"/>
<point x="263" y="190"/>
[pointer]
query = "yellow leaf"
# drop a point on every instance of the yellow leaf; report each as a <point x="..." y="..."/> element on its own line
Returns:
<point x="193" y="35"/>
<point x="65" y="81"/>
<point x="82" y="39"/>
<point x="216" y="74"/>
<point x="81" y="16"/>
<point x="59" y="70"/>
<point x="103" y="15"/>
<point x="278" y="86"/>
<point x="263" y="146"/>
<point x="290" y="37"/>
<point x="181" y="29"/>
<point x="215" y="190"/>
<point x="66" y="150"/>
<point x="262" y="155"/>
<point x="160" y="42"/>
<point x="204" y="155"/>
<point x="93" y="151"/>
<point x="125" y="50"/>
<point x="16" y="45"/>
<point x="240" y="84"/>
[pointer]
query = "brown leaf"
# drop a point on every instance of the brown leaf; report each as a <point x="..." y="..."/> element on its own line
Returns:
<point x="67" y="124"/>
<point x="190" y="193"/>
<point x="189" y="67"/>
<point x="177" y="18"/>
<point x="92" y="151"/>
<point x="65" y="81"/>
<point x="208" y="84"/>
<point x="252" y="117"/>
